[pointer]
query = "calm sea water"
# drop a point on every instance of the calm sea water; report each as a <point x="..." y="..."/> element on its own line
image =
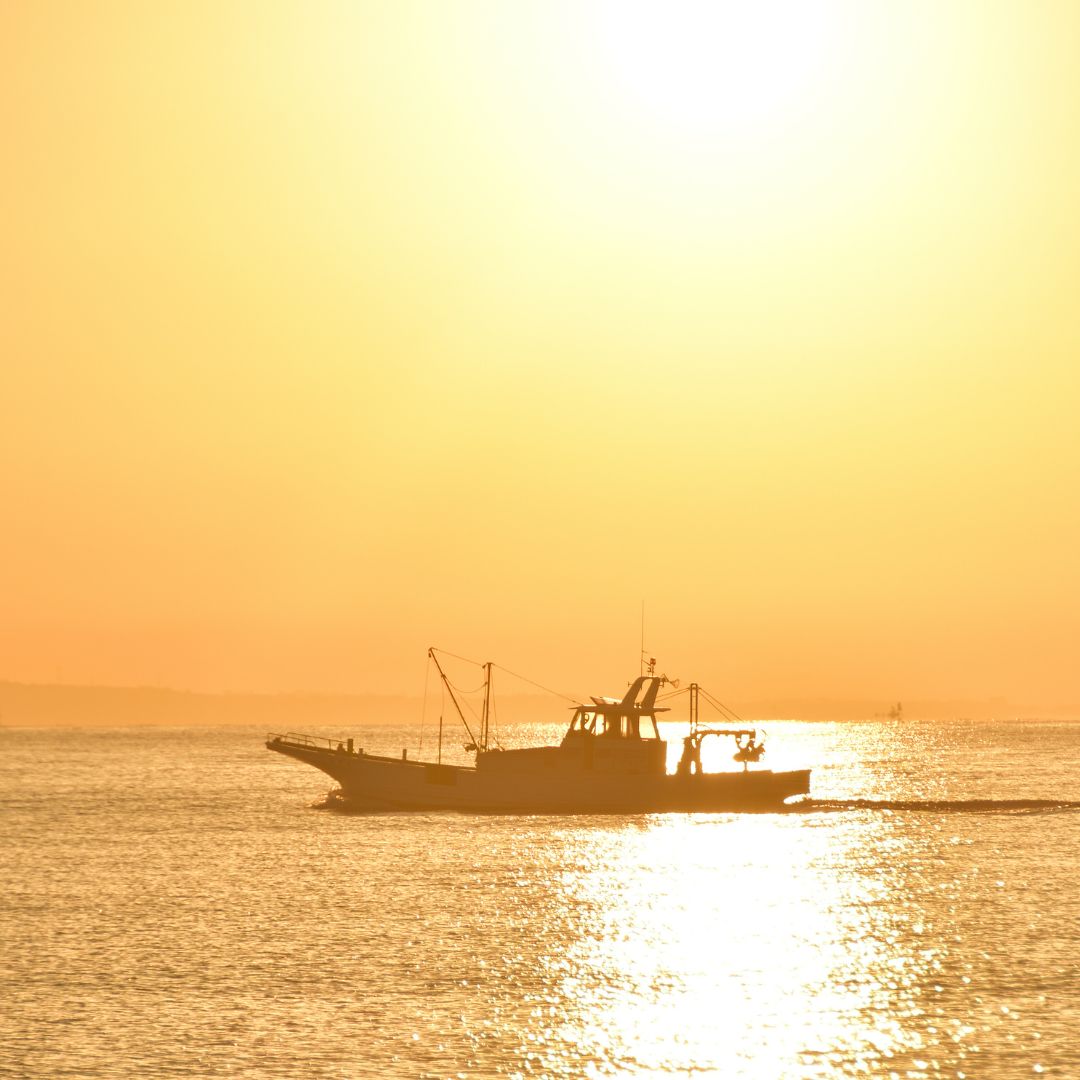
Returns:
<point x="174" y="903"/>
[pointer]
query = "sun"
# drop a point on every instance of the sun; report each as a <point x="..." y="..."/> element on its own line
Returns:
<point x="717" y="67"/>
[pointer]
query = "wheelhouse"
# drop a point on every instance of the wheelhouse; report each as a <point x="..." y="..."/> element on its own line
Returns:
<point x="632" y="719"/>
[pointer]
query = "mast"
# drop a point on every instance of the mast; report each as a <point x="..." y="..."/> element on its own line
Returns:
<point x="453" y="698"/>
<point x="485" y="723"/>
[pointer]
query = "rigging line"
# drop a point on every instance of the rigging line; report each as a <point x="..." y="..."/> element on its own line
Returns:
<point x="423" y="709"/>
<point x="721" y="707"/>
<point x="468" y="704"/>
<point x="476" y="690"/>
<point x="724" y="711"/>
<point x="453" y="696"/>
<point x="464" y="659"/>
<point x="539" y="686"/>
<point x="709" y="699"/>
<point x="495" y="722"/>
<point x="728" y="712"/>
<point x="442" y="713"/>
<point x="673" y="694"/>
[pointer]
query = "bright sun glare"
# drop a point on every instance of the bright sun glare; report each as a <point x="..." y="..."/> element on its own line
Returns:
<point x="717" y="67"/>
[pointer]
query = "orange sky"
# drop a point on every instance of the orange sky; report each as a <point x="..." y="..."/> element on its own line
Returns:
<point x="334" y="330"/>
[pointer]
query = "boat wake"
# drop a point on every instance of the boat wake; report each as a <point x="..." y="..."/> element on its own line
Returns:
<point x="939" y="806"/>
<point x="338" y="801"/>
<point x="335" y="800"/>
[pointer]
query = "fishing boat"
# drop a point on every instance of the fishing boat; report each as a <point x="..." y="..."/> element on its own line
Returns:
<point x="611" y="760"/>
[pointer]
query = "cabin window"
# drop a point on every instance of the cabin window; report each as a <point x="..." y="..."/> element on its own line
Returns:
<point x="637" y="726"/>
<point x="583" y="721"/>
<point x="648" y="728"/>
<point x="620" y="725"/>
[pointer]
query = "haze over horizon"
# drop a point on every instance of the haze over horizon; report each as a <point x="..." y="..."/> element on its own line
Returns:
<point x="332" y="333"/>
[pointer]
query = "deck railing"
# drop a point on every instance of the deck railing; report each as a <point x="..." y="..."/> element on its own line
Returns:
<point x="311" y="742"/>
<point x="339" y="746"/>
<point x="314" y="742"/>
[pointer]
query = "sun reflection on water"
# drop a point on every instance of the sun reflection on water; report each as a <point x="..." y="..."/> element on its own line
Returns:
<point x="712" y="942"/>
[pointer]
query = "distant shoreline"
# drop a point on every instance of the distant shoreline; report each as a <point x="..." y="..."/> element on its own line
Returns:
<point x="32" y="705"/>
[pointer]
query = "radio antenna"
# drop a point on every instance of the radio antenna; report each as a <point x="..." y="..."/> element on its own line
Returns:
<point x="641" y="655"/>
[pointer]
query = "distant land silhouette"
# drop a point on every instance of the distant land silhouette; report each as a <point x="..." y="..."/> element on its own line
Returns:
<point x="45" y="705"/>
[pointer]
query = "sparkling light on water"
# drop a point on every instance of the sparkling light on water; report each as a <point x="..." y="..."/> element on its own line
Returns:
<point x="174" y="906"/>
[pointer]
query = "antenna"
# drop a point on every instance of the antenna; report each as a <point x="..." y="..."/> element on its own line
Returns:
<point x="641" y="655"/>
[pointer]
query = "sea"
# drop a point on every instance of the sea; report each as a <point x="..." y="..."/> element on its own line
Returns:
<point x="179" y="902"/>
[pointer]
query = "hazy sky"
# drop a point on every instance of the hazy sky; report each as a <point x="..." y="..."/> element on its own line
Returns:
<point x="333" y="330"/>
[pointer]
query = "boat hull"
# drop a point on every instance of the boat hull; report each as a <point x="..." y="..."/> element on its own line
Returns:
<point x="381" y="783"/>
